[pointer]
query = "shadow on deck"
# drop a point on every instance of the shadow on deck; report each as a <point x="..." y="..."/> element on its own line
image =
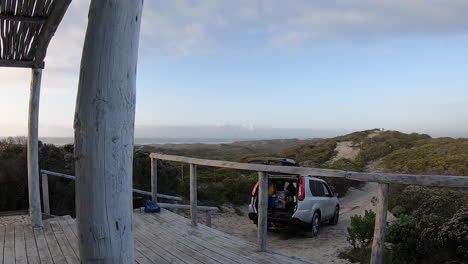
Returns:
<point x="159" y="238"/>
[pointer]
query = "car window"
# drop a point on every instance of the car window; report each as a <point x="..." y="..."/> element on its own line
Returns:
<point x="312" y="188"/>
<point x="315" y="188"/>
<point x="326" y="191"/>
<point x="319" y="188"/>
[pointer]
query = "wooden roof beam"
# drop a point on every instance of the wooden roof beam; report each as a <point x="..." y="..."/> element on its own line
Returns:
<point x="20" y="64"/>
<point x="56" y="14"/>
<point x="24" y="19"/>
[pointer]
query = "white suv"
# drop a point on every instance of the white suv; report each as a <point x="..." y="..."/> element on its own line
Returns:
<point x="295" y="200"/>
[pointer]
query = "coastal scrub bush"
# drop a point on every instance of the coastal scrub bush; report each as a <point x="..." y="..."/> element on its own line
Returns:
<point x="361" y="231"/>
<point x="360" y="236"/>
<point x="398" y="211"/>
<point x="384" y="143"/>
<point x="404" y="237"/>
<point x="168" y="175"/>
<point x="313" y="154"/>
<point x="445" y="156"/>
<point x="454" y="234"/>
<point x="435" y="220"/>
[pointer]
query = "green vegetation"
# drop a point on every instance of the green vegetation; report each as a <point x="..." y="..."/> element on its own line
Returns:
<point x="432" y="156"/>
<point x="232" y="151"/>
<point x="360" y="235"/>
<point x="373" y="148"/>
<point x="216" y="186"/>
<point x="429" y="219"/>
<point x="14" y="175"/>
<point x="311" y="154"/>
<point x="361" y="231"/>
<point x="398" y="211"/>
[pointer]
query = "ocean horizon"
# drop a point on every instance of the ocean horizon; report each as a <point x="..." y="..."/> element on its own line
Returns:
<point x="162" y="140"/>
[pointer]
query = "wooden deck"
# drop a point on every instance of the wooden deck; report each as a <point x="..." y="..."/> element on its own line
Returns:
<point x="159" y="238"/>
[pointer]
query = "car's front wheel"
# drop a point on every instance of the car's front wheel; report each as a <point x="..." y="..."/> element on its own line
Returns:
<point x="314" y="226"/>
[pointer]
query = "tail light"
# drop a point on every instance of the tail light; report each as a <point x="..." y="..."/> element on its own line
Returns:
<point x="301" y="193"/>
<point x="255" y="188"/>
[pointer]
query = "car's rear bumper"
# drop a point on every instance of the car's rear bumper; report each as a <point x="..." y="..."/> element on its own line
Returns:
<point x="279" y="222"/>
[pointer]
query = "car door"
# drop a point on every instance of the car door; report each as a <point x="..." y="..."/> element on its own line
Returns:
<point x="318" y="197"/>
<point x="328" y="200"/>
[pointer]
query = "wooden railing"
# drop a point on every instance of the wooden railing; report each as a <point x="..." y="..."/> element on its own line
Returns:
<point x="153" y="194"/>
<point x="384" y="179"/>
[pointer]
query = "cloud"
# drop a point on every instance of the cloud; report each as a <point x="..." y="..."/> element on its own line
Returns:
<point x="300" y="22"/>
<point x="186" y="27"/>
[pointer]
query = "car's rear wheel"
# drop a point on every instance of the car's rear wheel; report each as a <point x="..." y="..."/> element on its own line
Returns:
<point x="336" y="215"/>
<point x="314" y="226"/>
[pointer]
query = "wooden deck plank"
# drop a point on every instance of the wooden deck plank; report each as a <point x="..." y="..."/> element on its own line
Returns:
<point x="42" y="247"/>
<point x="31" y="246"/>
<point x="68" y="225"/>
<point x="20" y="245"/>
<point x="159" y="238"/>
<point x="54" y="248"/>
<point x="149" y="254"/>
<point x="9" y="247"/>
<point x="226" y="241"/>
<point x="172" y="242"/>
<point x="243" y="253"/>
<point x="71" y="237"/>
<point x="140" y="258"/>
<point x="158" y="250"/>
<point x="2" y="242"/>
<point x="195" y="243"/>
<point x="187" y="241"/>
<point x="63" y="243"/>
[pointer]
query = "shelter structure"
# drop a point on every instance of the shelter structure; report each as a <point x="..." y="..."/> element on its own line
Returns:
<point x="26" y="28"/>
<point x="104" y="127"/>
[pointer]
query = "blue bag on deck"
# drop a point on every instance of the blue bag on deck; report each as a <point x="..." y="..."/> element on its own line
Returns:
<point x="152" y="207"/>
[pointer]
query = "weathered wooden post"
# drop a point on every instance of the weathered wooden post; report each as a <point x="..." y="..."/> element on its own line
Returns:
<point x="193" y="194"/>
<point x="45" y="193"/>
<point x="380" y="225"/>
<point x="154" y="179"/>
<point x="33" y="150"/>
<point x="262" y="210"/>
<point x="104" y="130"/>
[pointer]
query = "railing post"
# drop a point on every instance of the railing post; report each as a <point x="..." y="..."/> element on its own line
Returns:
<point x="380" y="225"/>
<point x="45" y="193"/>
<point x="154" y="179"/>
<point x="262" y="210"/>
<point x="208" y="218"/>
<point x="193" y="194"/>
<point x="176" y="210"/>
<point x="33" y="150"/>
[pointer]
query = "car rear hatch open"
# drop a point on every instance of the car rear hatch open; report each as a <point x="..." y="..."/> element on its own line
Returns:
<point x="282" y="192"/>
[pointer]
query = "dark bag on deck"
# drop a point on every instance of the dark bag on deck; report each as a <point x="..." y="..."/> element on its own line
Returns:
<point x="152" y="207"/>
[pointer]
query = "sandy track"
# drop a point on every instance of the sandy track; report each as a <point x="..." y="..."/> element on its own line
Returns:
<point x="345" y="150"/>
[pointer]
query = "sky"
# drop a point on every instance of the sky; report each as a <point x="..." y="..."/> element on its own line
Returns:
<point x="271" y="68"/>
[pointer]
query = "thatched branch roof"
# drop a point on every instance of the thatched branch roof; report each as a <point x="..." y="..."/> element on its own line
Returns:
<point x="26" y="28"/>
